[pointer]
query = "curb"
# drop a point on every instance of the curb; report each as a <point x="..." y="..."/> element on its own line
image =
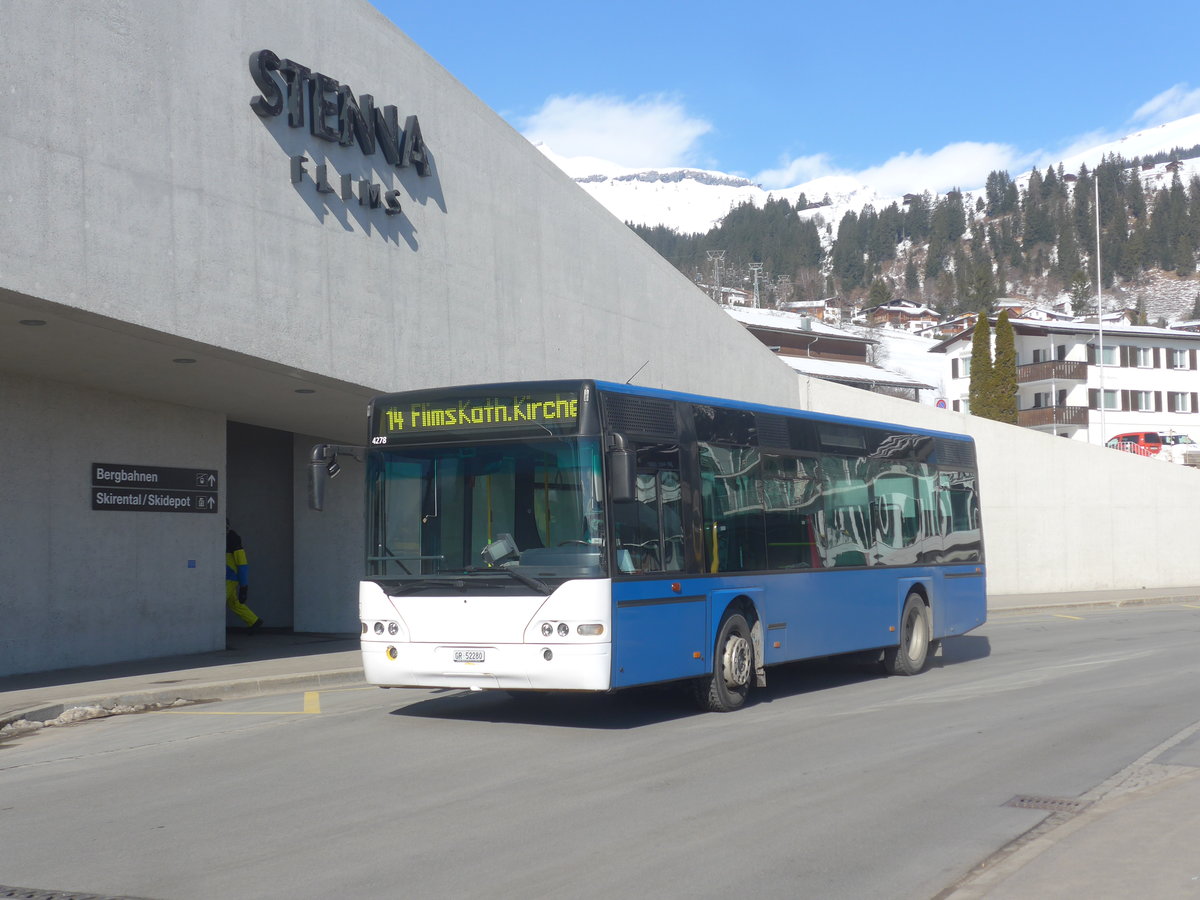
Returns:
<point x="103" y="705"/>
<point x="1115" y="603"/>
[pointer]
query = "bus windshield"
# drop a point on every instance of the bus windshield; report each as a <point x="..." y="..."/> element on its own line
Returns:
<point x="533" y="506"/>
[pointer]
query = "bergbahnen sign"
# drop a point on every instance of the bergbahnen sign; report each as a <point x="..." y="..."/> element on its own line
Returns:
<point x="137" y="488"/>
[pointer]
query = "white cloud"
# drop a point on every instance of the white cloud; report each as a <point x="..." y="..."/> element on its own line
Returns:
<point x="1173" y="103"/>
<point x="654" y="130"/>
<point x="795" y="171"/>
<point x="961" y="165"/>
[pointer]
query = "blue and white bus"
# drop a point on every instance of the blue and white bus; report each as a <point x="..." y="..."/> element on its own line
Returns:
<point x="591" y="536"/>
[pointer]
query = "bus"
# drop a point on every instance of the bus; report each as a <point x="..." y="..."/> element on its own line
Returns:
<point x="593" y="536"/>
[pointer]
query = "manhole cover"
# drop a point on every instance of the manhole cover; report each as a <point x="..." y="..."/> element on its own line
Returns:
<point x="1053" y="804"/>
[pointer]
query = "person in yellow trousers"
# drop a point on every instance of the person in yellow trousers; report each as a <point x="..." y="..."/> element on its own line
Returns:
<point x="237" y="579"/>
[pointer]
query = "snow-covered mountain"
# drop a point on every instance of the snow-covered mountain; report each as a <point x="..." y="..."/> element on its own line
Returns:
<point x="694" y="200"/>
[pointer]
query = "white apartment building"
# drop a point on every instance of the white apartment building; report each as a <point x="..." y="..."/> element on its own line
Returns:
<point x="1079" y="381"/>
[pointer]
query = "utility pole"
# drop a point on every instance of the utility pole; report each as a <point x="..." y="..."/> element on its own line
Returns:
<point x="717" y="258"/>
<point x="1099" y="311"/>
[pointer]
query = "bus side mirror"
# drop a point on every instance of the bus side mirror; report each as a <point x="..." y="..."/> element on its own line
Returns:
<point x="622" y="471"/>
<point x="322" y="466"/>
<point x="318" y="477"/>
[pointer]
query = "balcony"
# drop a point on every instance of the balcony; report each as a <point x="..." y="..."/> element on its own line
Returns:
<point x="1045" y="416"/>
<point x="1052" y="370"/>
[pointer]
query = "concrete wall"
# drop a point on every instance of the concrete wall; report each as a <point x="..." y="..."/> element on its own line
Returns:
<point x="173" y="201"/>
<point x="1059" y="515"/>
<point x="329" y="563"/>
<point x="83" y="586"/>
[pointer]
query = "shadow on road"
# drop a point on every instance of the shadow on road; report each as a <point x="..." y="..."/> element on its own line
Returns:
<point x="637" y="707"/>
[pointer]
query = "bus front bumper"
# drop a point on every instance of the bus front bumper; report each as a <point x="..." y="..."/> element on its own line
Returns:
<point x="538" y="667"/>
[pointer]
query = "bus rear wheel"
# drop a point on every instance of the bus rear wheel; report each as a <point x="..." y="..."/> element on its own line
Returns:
<point x="727" y="687"/>
<point x="911" y="654"/>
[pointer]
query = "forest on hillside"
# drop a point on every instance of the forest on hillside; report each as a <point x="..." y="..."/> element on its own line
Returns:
<point x="957" y="253"/>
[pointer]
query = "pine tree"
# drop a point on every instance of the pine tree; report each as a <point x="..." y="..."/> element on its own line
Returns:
<point x="980" y="392"/>
<point x="879" y="293"/>
<point x="1081" y="294"/>
<point x="1003" y="404"/>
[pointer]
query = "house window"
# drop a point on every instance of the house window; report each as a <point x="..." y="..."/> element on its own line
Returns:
<point x="1178" y="358"/>
<point x="1179" y="402"/>
<point x="1107" y="356"/>
<point x="1111" y="400"/>
<point x="1141" y="401"/>
<point x="964" y="367"/>
<point x="1042" y="399"/>
<point x="1142" y="357"/>
<point x="1038" y="356"/>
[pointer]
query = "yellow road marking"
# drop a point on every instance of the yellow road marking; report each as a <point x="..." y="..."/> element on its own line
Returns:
<point x="1064" y="616"/>
<point x="312" y="706"/>
<point x="1189" y="606"/>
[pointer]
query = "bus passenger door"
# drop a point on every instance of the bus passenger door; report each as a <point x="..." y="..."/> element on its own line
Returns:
<point x="659" y="628"/>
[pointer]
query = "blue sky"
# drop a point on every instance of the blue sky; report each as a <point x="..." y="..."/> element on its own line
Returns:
<point x="782" y="92"/>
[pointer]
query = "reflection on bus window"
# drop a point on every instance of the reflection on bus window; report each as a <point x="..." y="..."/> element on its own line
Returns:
<point x="732" y="493"/>
<point x="958" y="504"/>
<point x="848" y="538"/>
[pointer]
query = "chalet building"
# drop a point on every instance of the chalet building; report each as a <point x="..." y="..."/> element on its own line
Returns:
<point x="822" y="310"/>
<point x="949" y="327"/>
<point x="903" y="314"/>
<point x="818" y="350"/>
<point x="1077" y="381"/>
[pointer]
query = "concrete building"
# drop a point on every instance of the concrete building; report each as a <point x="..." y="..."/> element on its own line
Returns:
<point x="1146" y="378"/>
<point x="213" y="253"/>
<point x="228" y="225"/>
<point x="817" y="350"/>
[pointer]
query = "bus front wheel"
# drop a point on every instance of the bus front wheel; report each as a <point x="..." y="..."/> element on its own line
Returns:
<point x="911" y="654"/>
<point x="733" y="665"/>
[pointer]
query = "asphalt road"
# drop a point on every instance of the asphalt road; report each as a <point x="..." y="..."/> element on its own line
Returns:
<point x="837" y="782"/>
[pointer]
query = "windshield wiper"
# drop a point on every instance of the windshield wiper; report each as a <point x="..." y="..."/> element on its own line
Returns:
<point x="421" y="584"/>
<point x="526" y="580"/>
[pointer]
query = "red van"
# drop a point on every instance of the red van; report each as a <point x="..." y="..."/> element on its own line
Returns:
<point x="1165" y="445"/>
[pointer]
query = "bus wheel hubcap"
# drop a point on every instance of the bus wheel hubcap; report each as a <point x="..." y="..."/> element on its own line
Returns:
<point x="737" y="660"/>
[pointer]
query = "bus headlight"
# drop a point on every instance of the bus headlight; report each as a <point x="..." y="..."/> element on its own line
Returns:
<point x="379" y="628"/>
<point x="393" y="628"/>
<point x="547" y="629"/>
<point x="590" y="630"/>
<point x="563" y="629"/>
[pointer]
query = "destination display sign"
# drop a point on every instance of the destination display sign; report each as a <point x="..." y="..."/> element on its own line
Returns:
<point x="137" y="488"/>
<point x="556" y="412"/>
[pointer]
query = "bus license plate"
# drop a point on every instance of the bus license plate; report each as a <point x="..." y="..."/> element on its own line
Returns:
<point x="468" y="656"/>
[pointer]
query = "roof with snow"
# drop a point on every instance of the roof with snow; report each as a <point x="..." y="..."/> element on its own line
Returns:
<point x="1114" y="330"/>
<point x="850" y="373"/>
<point x="778" y="320"/>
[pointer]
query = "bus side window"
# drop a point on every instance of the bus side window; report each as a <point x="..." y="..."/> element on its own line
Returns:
<point x="958" y="502"/>
<point x="734" y="520"/>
